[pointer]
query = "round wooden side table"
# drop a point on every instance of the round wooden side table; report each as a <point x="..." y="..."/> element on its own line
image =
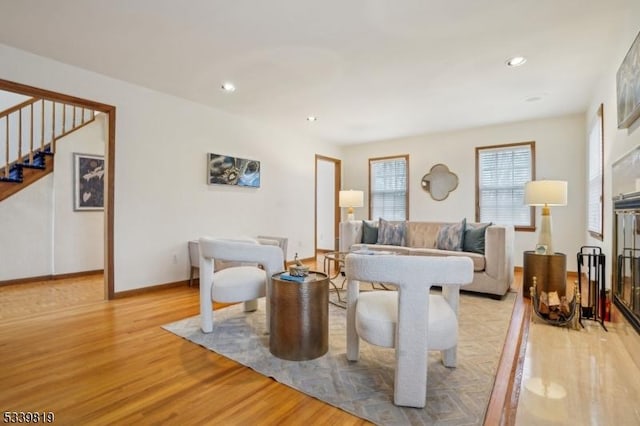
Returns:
<point x="550" y="271"/>
<point x="299" y="317"/>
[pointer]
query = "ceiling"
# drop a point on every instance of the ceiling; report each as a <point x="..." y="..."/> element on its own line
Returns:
<point x="368" y="69"/>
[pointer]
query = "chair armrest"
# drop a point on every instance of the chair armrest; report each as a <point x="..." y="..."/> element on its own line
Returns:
<point x="275" y="241"/>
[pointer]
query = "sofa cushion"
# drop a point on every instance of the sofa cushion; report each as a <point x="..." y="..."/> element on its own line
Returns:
<point x="382" y="247"/>
<point x="422" y="234"/>
<point x="451" y="237"/>
<point x="474" y="237"/>
<point x="478" y="260"/>
<point x="391" y="233"/>
<point x="369" y="232"/>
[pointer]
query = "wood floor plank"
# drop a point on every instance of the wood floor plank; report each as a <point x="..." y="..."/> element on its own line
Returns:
<point x="97" y="362"/>
<point x="64" y="349"/>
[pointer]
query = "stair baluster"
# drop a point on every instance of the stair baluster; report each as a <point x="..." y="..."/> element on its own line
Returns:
<point x="6" y="158"/>
<point x="20" y="134"/>
<point x="31" y="137"/>
<point x="52" y="147"/>
<point x="42" y="128"/>
<point x="22" y="168"/>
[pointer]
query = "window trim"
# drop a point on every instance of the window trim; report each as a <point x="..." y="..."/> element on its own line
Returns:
<point x="597" y="121"/>
<point x="406" y="192"/>
<point x="532" y="146"/>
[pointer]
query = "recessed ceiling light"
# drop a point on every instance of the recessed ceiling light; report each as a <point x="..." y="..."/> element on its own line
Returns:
<point x="228" y="87"/>
<point x="312" y="118"/>
<point x="516" y="61"/>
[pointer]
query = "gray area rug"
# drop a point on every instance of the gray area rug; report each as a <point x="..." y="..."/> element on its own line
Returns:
<point x="457" y="396"/>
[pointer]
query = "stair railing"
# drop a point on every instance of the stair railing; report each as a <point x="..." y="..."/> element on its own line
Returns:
<point x="38" y="117"/>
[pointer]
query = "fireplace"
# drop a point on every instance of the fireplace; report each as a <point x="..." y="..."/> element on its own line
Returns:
<point x="626" y="234"/>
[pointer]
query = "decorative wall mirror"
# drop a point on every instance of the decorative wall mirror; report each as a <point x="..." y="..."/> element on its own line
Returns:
<point x="439" y="182"/>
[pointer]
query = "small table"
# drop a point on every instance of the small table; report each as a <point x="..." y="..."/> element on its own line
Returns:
<point x="336" y="258"/>
<point x="550" y="271"/>
<point x="299" y="317"/>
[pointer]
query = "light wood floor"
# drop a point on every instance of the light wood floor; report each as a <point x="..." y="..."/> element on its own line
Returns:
<point x="64" y="349"/>
<point x="95" y="362"/>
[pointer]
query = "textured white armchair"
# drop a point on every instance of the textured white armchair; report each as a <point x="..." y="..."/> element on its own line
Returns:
<point x="410" y="320"/>
<point x="194" y="252"/>
<point x="235" y="283"/>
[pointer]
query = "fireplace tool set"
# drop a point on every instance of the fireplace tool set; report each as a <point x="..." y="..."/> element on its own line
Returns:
<point x="594" y="300"/>
<point x="589" y="298"/>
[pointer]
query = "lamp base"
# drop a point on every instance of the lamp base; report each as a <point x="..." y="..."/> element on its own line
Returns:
<point x="351" y="217"/>
<point x="544" y="237"/>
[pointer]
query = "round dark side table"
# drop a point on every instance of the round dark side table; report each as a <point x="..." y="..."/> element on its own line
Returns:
<point x="550" y="271"/>
<point x="299" y="317"/>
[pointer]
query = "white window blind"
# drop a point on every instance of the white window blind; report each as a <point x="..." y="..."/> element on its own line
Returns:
<point x="595" y="177"/>
<point x="388" y="188"/>
<point x="502" y="173"/>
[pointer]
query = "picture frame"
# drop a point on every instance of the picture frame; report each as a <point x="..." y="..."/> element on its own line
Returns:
<point x="628" y="86"/>
<point x="228" y="170"/>
<point x="88" y="182"/>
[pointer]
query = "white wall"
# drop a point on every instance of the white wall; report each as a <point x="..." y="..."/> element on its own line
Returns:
<point x="616" y="142"/>
<point x="78" y="238"/>
<point x="9" y="99"/>
<point x="25" y="232"/>
<point x="161" y="196"/>
<point x="558" y="141"/>
<point x="40" y="234"/>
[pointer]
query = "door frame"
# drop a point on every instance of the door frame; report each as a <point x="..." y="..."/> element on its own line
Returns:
<point x="336" y="214"/>
<point x="109" y="160"/>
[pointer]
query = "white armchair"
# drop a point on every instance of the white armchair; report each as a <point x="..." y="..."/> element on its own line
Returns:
<point x="411" y="320"/>
<point x="194" y="252"/>
<point x="237" y="282"/>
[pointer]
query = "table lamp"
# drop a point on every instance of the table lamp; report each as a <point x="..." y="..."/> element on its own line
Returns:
<point x="545" y="193"/>
<point x="351" y="199"/>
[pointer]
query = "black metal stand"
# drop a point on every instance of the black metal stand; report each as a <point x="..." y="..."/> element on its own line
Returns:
<point x="591" y="262"/>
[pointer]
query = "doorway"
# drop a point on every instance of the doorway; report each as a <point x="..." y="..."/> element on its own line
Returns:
<point x="328" y="177"/>
<point x="109" y="166"/>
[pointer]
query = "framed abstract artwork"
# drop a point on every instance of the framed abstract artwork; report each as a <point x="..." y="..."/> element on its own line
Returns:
<point x="227" y="170"/>
<point x="88" y="182"/>
<point x="628" y="86"/>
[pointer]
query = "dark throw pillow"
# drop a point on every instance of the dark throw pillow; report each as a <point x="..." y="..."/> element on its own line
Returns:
<point x="369" y="232"/>
<point x="474" y="237"/>
<point x="451" y="237"/>
<point x="391" y="233"/>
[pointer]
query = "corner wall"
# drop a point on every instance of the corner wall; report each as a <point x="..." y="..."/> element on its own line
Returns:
<point x="617" y="142"/>
<point x="40" y="234"/>
<point x="558" y="142"/>
<point x="161" y="196"/>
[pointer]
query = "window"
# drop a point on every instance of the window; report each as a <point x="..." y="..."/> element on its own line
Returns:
<point x="596" y="166"/>
<point x="388" y="184"/>
<point x="501" y="172"/>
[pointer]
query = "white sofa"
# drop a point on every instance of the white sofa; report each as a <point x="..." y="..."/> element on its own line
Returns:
<point x="493" y="270"/>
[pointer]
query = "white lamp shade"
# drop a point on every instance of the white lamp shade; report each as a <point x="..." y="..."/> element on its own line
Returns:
<point x="351" y="198"/>
<point x="545" y="192"/>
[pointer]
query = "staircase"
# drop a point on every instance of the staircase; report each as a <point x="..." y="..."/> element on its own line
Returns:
<point x="28" y="135"/>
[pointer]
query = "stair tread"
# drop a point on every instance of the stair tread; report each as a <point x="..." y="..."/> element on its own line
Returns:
<point x="10" y="179"/>
<point x="33" y="166"/>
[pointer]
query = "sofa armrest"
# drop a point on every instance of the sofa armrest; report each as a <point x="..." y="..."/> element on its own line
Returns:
<point x="350" y="234"/>
<point x="498" y="249"/>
